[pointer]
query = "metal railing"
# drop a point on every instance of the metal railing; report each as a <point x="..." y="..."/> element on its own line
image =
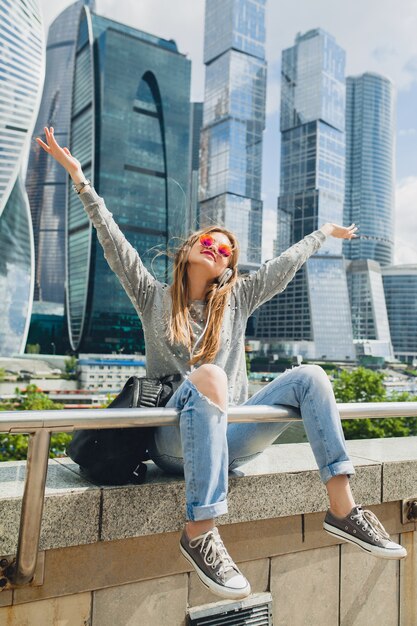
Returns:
<point x="40" y="424"/>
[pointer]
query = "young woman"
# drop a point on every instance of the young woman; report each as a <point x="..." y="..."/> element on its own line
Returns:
<point x="197" y="327"/>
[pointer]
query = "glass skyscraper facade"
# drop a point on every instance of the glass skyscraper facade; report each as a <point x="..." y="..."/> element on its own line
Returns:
<point x="370" y="325"/>
<point x="369" y="192"/>
<point x="46" y="180"/>
<point x="311" y="317"/>
<point x="130" y="131"/>
<point x="21" y="77"/>
<point x="233" y="122"/>
<point x="196" y="123"/>
<point x="400" y="286"/>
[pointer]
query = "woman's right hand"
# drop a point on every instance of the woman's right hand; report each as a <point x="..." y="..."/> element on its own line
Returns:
<point x="62" y="155"/>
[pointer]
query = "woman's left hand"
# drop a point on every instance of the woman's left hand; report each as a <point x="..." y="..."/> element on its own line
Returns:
<point x="340" y="232"/>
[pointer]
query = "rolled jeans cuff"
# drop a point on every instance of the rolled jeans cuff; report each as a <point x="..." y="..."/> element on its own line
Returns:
<point x="207" y="511"/>
<point x="336" y="469"/>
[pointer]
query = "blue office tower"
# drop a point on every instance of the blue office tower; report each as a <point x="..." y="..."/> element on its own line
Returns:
<point x="130" y="131"/>
<point x="22" y="67"/>
<point x="312" y="316"/>
<point x="233" y="122"/>
<point x="370" y="143"/>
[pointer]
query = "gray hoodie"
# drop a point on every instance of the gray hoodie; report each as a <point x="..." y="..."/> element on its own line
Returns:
<point x="152" y="300"/>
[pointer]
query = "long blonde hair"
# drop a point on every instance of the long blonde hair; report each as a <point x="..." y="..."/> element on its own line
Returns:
<point x="179" y="328"/>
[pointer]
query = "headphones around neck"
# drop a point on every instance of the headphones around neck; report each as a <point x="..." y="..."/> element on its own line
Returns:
<point x="224" y="277"/>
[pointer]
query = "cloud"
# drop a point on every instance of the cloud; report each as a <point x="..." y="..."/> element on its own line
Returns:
<point x="407" y="132"/>
<point x="405" y="243"/>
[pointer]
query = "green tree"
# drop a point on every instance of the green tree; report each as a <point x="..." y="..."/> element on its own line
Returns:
<point x="14" y="447"/>
<point x="2" y="373"/>
<point x="71" y="367"/>
<point x="364" y="385"/>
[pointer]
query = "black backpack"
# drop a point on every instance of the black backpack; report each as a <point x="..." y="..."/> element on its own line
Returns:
<point x="114" y="456"/>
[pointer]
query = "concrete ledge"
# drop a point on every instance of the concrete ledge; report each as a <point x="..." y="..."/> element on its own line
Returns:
<point x="282" y="482"/>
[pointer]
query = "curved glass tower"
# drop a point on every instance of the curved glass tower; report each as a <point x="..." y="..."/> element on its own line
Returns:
<point x="46" y="180"/>
<point x="130" y="131"/>
<point x="21" y="78"/>
<point x="369" y="190"/>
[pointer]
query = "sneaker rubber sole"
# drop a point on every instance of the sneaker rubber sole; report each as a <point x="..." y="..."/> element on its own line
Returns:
<point x="219" y="590"/>
<point x="382" y="553"/>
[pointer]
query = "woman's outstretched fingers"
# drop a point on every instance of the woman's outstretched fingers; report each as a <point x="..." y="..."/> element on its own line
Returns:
<point x="43" y="145"/>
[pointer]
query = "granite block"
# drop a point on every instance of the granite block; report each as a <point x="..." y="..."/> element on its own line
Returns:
<point x="399" y="480"/>
<point x="305" y="587"/>
<point x="384" y="449"/>
<point x="369" y="588"/>
<point x="408" y="581"/>
<point x="142" y="510"/>
<point x="71" y="508"/>
<point x="69" y="610"/>
<point x="160" y="601"/>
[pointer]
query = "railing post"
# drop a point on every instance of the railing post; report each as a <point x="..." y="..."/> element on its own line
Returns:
<point x="32" y="507"/>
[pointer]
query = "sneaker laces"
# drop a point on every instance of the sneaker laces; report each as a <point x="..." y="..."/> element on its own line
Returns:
<point x="372" y="522"/>
<point x="214" y="552"/>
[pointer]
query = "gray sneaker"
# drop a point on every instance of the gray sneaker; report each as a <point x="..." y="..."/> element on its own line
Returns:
<point x="362" y="528"/>
<point x="214" y="566"/>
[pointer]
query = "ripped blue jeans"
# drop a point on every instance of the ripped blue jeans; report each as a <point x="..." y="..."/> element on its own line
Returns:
<point x="204" y="447"/>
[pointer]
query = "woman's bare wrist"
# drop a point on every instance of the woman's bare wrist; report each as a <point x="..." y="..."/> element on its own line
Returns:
<point x="77" y="176"/>
<point x="327" y="228"/>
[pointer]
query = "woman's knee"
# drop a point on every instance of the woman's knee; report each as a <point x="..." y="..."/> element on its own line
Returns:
<point x="315" y="374"/>
<point x="211" y="381"/>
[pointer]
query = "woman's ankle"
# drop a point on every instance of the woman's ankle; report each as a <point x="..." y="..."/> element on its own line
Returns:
<point x="196" y="528"/>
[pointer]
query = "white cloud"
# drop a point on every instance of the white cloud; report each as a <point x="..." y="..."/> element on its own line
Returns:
<point x="407" y="132"/>
<point x="406" y="221"/>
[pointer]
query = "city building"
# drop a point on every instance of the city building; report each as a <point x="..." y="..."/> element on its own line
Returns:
<point x="129" y="128"/>
<point x="233" y="122"/>
<point x="46" y="180"/>
<point x="22" y="73"/>
<point x="312" y="316"/>
<point x="370" y="156"/>
<point x="108" y="372"/>
<point x="369" y="203"/>
<point x="400" y="286"/>
<point x="196" y="123"/>
<point x="370" y="327"/>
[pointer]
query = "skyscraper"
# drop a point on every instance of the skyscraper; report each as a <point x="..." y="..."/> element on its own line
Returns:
<point x="46" y="181"/>
<point x="370" y="327"/>
<point x="196" y="122"/>
<point x="312" y="316"/>
<point x="369" y="191"/>
<point x="130" y="131"/>
<point x="369" y="202"/>
<point x="21" y="77"/>
<point x="400" y="286"/>
<point x="233" y="121"/>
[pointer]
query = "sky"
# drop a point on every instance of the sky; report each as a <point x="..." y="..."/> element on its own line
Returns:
<point x="377" y="35"/>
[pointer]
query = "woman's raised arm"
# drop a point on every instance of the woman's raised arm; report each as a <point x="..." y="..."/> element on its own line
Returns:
<point x="121" y="256"/>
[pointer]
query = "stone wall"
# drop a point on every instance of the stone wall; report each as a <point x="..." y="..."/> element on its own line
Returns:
<point x="109" y="556"/>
